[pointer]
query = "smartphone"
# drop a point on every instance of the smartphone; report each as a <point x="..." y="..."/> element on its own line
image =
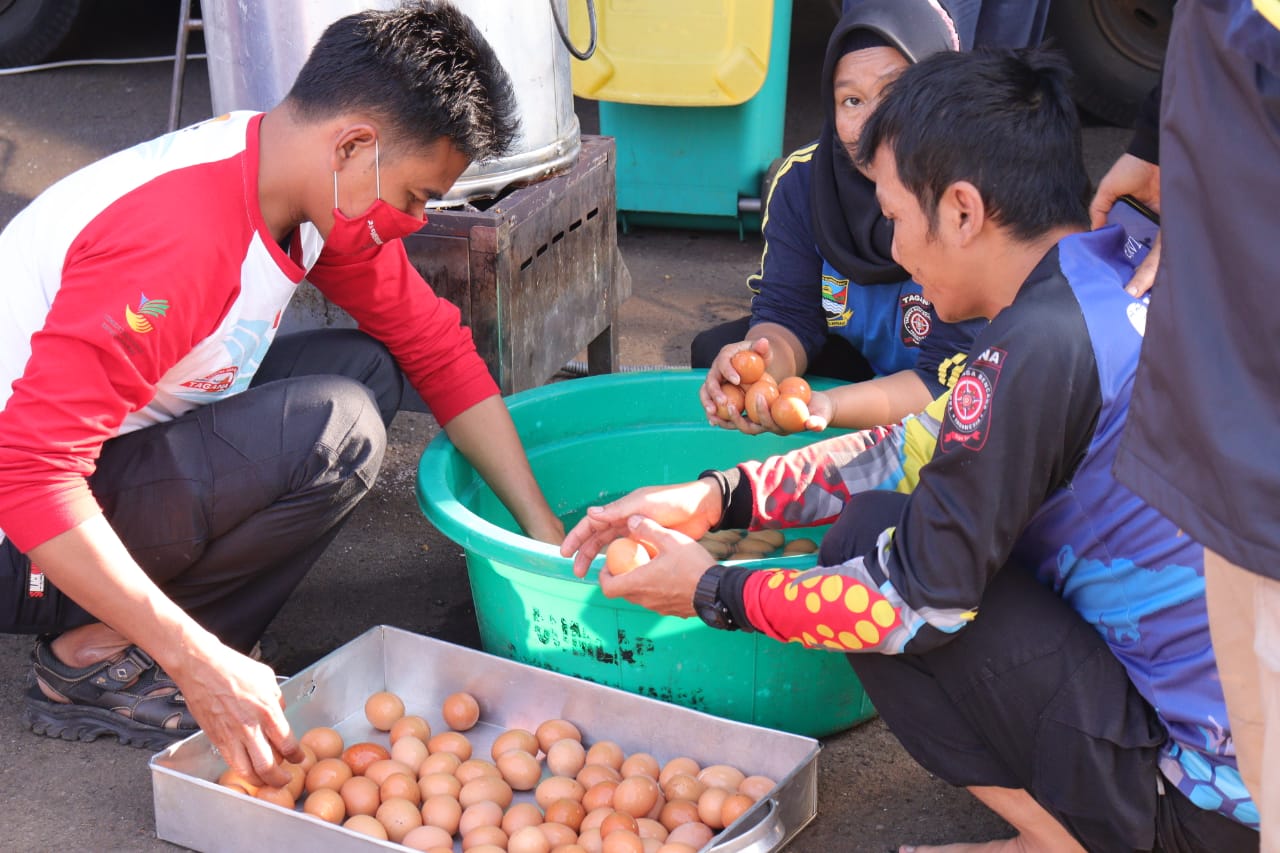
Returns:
<point x="1140" y="223"/>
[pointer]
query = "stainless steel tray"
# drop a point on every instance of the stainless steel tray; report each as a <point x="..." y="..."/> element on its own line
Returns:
<point x="194" y="811"/>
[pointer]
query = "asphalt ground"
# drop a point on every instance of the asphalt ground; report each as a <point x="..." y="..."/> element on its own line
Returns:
<point x="389" y="565"/>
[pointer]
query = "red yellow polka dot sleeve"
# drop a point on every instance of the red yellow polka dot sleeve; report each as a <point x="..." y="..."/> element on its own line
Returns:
<point x="823" y="609"/>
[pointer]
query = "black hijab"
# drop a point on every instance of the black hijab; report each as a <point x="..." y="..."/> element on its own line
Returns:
<point x="851" y="234"/>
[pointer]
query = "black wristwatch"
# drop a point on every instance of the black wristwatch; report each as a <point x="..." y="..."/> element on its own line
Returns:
<point x="707" y="603"/>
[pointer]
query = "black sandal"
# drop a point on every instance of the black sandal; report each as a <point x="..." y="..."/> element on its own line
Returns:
<point x="129" y="696"/>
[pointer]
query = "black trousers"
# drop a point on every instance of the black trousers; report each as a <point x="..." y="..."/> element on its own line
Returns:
<point x="837" y="359"/>
<point x="227" y="507"/>
<point x="1029" y="696"/>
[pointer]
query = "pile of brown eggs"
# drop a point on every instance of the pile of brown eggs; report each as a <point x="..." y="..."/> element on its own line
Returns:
<point x="427" y="789"/>
<point x="788" y="399"/>
<point x="740" y="545"/>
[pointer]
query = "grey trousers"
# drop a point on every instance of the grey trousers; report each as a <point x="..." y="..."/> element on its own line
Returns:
<point x="227" y="507"/>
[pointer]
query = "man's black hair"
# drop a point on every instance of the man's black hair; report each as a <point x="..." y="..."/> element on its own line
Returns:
<point x="1002" y="120"/>
<point x="423" y="69"/>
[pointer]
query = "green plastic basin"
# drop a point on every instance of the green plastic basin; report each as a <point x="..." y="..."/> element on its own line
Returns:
<point x="591" y="440"/>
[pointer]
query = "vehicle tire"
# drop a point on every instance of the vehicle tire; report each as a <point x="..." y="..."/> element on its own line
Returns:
<point x="32" y="30"/>
<point x="1116" y="49"/>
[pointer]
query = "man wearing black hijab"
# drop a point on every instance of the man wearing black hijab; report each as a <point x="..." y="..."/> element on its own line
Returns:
<point x="829" y="298"/>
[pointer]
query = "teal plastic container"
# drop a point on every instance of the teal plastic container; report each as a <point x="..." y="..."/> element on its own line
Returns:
<point x="688" y="166"/>
<point x="589" y="441"/>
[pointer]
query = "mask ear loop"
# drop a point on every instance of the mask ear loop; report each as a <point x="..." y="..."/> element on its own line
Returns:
<point x="335" y="188"/>
<point x="377" y="170"/>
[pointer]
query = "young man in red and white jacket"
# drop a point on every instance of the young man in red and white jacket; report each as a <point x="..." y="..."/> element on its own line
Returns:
<point x="169" y="470"/>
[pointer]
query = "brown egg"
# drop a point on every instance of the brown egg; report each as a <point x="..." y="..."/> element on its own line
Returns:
<point x="359" y="756"/>
<point x="677" y="812"/>
<point x="676" y="847"/>
<point x="360" y="795"/>
<point x="639" y="764"/>
<point x="658" y="805"/>
<point x="528" y="839"/>
<point x="566" y="811"/>
<point x="483" y="836"/>
<point x="279" y="796"/>
<point x="625" y="555"/>
<point x="605" y="752"/>
<point x="245" y="783"/>
<point x="400" y="786"/>
<point x="722" y="776"/>
<point x="566" y="757"/>
<point x="514" y="739"/>
<point x="594" y="818"/>
<point x="410" y="724"/>
<point x="482" y="848"/>
<point x="696" y="835"/>
<point x="789" y="413"/>
<point x="492" y="788"/>
<point x="794" y="386"/>
<point x="410" y="751"/>
<point x="297" y="779"/>
<point x="454" y="742"/>
<point x="618" y="821"/>
<point x="427" y="837"/>
<point x="733" y="402"/>
<point x="591" y="841"/>
<point x="443" y="811"/>
<point x="550" y="731"/>
<point x="676" y="766"/>
<point x="366" y="825"/>
<point x="649" y="828"/>
<point x="599" y="795"/>
<point x="683" y="787"/>
<point x="734" y="806"/>
<point x="799" y="545"/>
<point x="748" y="365"/>
<point x="519" y="816"/>
<point x="521" y="770"/>
<point x="378" y="771"/>
<point x="716" y="548"/>
<point x="461" y="711"/>
<point x="757" y="787"/>
<point x="399" y="817"/>
<point x="324" y="742"/>
<point x="593" y="774"/>
<point x="438" y="784"/>
<point x="474" y="768"/>
<point x="382" y="709"/>
<point x="770" y="538"/>
<point x="557" y="787"/>
<point x="765" y="388"/>
<point x="635" y="795"/>
<point x="621" y="841"/>
<point x="308" y="758"/>
<point x="562" y="838"/>
<point x="484" y="813"/>
<point x="326" y="804"/>
<point x="440" y="762"/>
<point x="327" y="773"/>
<point x="711" y="806"/>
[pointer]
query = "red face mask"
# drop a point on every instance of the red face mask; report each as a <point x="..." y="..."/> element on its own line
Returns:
<point x="379" y="223"/>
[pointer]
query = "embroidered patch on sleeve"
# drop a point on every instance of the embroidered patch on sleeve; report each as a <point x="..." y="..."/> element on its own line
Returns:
<point x="968" y="417"/>
<point x="916" y="322"/>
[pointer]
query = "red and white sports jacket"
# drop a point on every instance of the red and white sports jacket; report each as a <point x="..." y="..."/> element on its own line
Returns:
<point x="147" y="284"/>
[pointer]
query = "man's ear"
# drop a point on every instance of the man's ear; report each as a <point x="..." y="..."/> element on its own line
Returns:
<point x="349" y="141"/>
<point x="961" y="207"/>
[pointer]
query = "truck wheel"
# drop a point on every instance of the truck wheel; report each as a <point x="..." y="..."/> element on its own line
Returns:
<point x="32" y="30"/>
<point x="1115" y="47"/>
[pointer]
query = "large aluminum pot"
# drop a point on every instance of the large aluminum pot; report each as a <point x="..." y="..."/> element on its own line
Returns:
<point x="255" y="50"/>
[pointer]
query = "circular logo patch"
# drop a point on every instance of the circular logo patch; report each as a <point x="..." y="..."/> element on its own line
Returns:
<point x="969" y="400"/>
<point x="916" y="322"/>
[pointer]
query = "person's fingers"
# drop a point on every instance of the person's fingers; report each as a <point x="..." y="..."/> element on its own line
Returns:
<point x="1103" y="200"/>
<point x="1145" y="275"/>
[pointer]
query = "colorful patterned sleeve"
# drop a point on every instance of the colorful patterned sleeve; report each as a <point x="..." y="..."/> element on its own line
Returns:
<point x="809" y="486"/>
